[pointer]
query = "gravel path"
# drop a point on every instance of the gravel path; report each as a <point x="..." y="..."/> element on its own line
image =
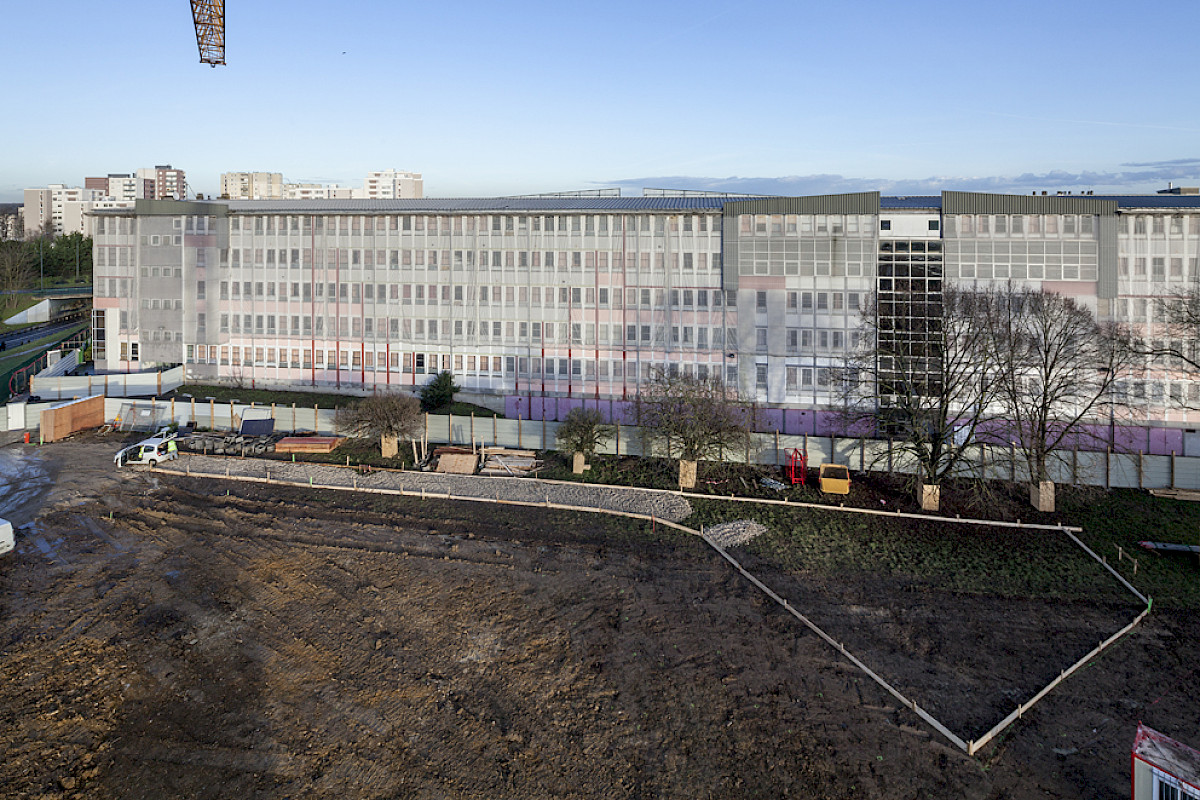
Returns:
<point x="738" y="532"/>
<point x="530" y="490"/>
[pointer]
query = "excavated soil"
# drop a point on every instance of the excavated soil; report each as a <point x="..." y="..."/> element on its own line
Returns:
<point x="214" y="639"/>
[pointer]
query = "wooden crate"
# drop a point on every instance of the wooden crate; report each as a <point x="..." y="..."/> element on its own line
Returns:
<point x="309" y="444"/>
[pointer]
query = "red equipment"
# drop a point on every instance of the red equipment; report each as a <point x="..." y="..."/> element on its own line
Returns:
<point x="797" y="465"/>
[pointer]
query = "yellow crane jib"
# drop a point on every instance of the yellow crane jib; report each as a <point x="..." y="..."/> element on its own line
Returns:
<point x="209" y="16"/>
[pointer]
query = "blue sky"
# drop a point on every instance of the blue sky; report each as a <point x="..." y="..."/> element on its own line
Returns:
<point x="489" y="98"/>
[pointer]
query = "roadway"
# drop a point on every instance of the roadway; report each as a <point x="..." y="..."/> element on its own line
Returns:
<point x="14" y="339"/>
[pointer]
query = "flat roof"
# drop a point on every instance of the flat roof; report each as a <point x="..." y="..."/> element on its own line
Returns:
<point x="611" y="204"/>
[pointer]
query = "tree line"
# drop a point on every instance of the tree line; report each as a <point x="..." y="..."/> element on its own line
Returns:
<point x="47" y="260"/>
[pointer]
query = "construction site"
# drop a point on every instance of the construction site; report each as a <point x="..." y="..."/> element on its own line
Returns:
<point x="178" y="635"/>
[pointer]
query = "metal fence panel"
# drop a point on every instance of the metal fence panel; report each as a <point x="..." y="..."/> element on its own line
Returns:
<point x="1123" y="471"/>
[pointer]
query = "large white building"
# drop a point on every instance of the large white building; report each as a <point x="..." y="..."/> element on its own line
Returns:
<point x="390" y="184"/>
<point x="252" y="186"/>
<point x="382" y="185"/>
<point x="44" y="208"/>
<point x="169" y="183"/>
<point x="587" y="296"/>
<point x="118" y="186"/>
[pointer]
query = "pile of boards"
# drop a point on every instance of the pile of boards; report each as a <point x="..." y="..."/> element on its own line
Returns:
<point x="512" y="463"/>
<point x="455" y="460"/>
<point x="309" y="444"/>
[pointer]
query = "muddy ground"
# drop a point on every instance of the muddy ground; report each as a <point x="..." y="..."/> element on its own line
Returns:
<point x="285" y="643"/>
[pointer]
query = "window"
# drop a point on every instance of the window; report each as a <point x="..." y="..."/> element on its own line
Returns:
<point x="885" y="224"/>
<point x="933" y="225"/>
<point x="760" y="301"/>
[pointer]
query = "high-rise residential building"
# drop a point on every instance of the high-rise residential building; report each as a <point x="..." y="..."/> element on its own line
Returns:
<point x="11" y="226"/>
<point x="252" y="186"/>
<point x="586" y="297"/>
<point x="118" y="186"/>
<point x="43" y="210"/>
<point x="169" y="183"/>
<point x="316" y="191"/>
<point x="390" y="184"/>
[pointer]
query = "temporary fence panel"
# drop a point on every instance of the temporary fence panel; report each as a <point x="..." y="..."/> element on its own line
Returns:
<point x="133" y="384"/>
<point x="61" y="420"/>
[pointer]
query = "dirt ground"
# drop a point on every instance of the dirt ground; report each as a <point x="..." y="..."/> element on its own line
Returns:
<point x="221" y="640"/>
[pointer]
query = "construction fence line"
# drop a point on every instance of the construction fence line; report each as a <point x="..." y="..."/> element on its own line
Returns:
<point x="1132" y="470"/>
<point x="969" y="747"/>
<point x="975" y="746"/>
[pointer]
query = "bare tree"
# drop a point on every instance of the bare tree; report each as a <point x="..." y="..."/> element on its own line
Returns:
<point x="1179" y="346"/>
<point x="388" y="416"/>
<point x="925" y="376"/>
<point x="692" y="418"/>
<point x="16" y="271"/>
<point x="582" y="432"/>
<point x="1055" y="365"/>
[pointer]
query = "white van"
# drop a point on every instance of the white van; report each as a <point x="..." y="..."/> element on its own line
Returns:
<point x="148" y="451"/>
<point x="6" y="536"/>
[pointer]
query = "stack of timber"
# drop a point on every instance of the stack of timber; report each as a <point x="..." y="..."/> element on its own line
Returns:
<point x="455" y="460"/>
<point x="309" y="444"/>
<point x="513" y="463"/>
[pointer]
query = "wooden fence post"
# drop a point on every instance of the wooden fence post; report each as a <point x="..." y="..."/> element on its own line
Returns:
<point x="1172" y="469"/>
<point x="495" y="434"/>
<point x="777" y="448"/>
<point x="618" y="439"/>
<point x="1108" y="468"/>
<point x="1141" y="480"/>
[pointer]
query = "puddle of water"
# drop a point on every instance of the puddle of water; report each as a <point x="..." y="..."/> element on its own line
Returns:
<point x="25" y="480"/>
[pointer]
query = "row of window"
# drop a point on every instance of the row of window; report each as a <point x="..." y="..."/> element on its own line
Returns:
<point x="587" y="224"/>
<point x="522" y="296"/>
<point x="813" y="301"/>
<point x="528" y="333"/>
<point x="808" y="339"/>
<point x="1161" y="268"/>
<point x="805" y="224"/>
<point x="534" y="368"/>
<point x="1021" y="224"/>
<point x="602" y="260"/>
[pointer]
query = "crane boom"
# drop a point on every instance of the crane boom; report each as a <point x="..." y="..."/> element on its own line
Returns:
<point x="209" y="16"/>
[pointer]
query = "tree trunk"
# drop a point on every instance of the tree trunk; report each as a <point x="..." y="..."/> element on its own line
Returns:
<point x="578" y="463"/>
<point x="1041" y="495"/>
<point x="931" y="497"/>
<point x="388" y="445"/>
<point x="687" y="474"/>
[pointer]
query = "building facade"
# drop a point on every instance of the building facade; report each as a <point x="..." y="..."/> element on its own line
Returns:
<point x="252" y="186"/>
<point x="588" y="296"/>
<point x="390" y="184"/>
<point x="44" y="208"/>
<point x="122" y="186"/>
<point x="169" y="183"/>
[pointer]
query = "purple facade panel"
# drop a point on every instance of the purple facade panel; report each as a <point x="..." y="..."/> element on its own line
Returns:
<point x="793" y="421"/>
